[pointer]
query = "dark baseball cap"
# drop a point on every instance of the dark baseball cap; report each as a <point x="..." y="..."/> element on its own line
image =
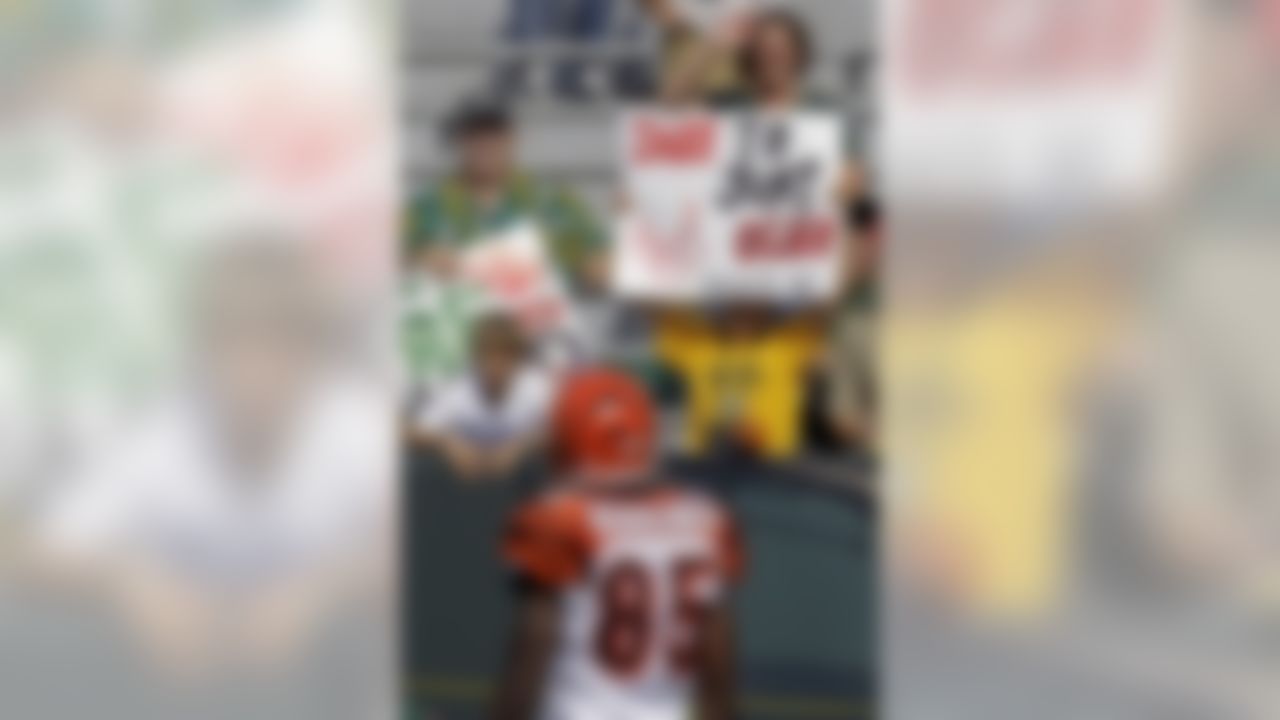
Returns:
<point x="477" y="117"/>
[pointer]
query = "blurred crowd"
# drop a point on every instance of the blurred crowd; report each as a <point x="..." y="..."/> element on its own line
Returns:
<point x="758" y="381"/>
<point x="196" y="495"/>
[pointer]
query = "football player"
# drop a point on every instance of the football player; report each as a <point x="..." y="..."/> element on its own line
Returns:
<point x="623" y="576"/>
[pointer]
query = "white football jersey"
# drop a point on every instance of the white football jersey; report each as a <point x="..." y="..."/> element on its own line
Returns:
<point x="636" y="573"/>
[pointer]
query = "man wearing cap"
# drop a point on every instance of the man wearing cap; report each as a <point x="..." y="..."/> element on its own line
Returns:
<point x="487" y="194"/>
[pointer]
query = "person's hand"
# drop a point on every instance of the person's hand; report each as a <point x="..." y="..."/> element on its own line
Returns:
<point x="732" y="29"/>
<point x="737" y="438"/>
<point x="596" y="272"/>
<point x="857" y="430"/>
<point x="851" y="184"/>
<point x="170" y="618"/>
<point x="663" y="13"/>
<point x="440" y="262"/>
<point x="277" y="623"/>
<point x="465" y="459"/>
<point x="859" y="260"/>
<point x="505" y="459"/>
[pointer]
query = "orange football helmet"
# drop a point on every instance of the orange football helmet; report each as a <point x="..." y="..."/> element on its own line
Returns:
<point x="604" y="426"/>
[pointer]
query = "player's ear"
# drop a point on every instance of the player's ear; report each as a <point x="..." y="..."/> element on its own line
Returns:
<point x="733" y="554"/>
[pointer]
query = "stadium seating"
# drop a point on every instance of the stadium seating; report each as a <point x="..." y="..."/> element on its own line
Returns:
<point x="450" y="51"/>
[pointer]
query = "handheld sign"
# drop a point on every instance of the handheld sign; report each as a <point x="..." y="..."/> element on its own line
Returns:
<point x="738" y="206"/>
<point x="513" y="271"/>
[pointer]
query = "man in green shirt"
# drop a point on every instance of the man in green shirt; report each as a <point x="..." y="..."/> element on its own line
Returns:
<point x="487" y="194"/>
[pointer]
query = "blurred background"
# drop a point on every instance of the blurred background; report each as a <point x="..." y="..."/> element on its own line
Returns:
<point x="1079" y="379"/>
<point x="197" y="468"/>
<point x="218" y="360"/>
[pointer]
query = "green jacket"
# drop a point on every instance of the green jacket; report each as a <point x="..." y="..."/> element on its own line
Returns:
<point x="448" y="215"/>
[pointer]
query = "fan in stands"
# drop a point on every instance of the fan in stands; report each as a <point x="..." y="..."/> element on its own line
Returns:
<point x="622" y="575"/>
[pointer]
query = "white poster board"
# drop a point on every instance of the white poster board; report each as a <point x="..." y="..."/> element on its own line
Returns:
<point x="513" y="271"/>
<point x="729" y="206"/>
<point x="711" y="16"/>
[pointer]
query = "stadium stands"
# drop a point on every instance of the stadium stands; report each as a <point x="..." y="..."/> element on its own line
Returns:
<point x="450" y="50"/>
